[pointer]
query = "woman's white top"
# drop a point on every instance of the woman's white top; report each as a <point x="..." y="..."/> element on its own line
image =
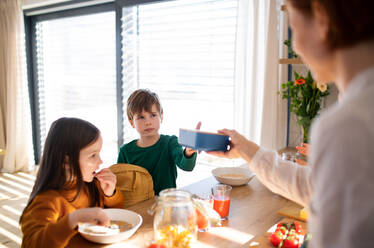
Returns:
<point x="338" y="186"/>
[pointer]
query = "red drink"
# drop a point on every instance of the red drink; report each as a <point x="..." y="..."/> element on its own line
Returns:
<point x="222" y="205"/>
<point x="202" y="221"/>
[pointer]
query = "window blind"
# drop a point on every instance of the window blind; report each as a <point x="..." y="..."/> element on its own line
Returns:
<point x="184" y="51"/>
<point x="76" y="74"/>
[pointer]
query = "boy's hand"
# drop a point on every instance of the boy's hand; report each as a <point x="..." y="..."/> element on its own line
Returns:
<point x="189" y="151"/>
<point x="107" y="181"/>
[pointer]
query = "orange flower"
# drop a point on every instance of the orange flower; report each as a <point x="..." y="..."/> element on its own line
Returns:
<point x="300" y="81"/>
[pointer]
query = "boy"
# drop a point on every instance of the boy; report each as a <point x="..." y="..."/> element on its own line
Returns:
<point x="157" y="153"/>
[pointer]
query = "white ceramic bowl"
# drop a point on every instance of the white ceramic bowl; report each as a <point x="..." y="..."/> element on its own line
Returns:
<point x="233" y="176"/>
<point x="114" y="214"/>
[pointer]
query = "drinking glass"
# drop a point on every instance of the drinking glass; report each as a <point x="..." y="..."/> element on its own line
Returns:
<point x="202" y="218"/>
<point x="221" y="199"/>
<point x="291" y="156"/>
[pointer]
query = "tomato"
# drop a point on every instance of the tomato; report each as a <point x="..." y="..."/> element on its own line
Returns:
<point x="154" y="245"/>
<point x="292" y="241"/>
<point x="282" y="224"/>
<point x="276" y="237"/>
<point x="281" y="229"/>
<point x="201" y="220"/>
<point x="286" y="235"/>
<point x="297" y="227"/>
<point x="291" y="232"/>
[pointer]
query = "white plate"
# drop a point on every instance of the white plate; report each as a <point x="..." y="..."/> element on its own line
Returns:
<point x="233" y="176"/>
<point x="114" y="214"/>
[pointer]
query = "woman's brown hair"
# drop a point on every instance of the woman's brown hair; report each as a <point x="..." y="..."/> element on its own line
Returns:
<point x="351" y="21"/>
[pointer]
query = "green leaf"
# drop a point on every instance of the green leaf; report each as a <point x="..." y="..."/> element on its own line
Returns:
<point x="297" y="76"/>
<point x="288" y="43"/>
<point x="308" y="91"/>
<point x="310" y="77"/>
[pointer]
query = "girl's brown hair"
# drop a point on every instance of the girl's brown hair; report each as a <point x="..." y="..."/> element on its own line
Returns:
<point x="142" y="99"/>
<point x="65" y="139"/>
<point x="350" y="21"/>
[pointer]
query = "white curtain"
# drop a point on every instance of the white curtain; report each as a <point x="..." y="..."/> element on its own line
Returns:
<point x="15" y="121"/>
<point x="258" y="106"/>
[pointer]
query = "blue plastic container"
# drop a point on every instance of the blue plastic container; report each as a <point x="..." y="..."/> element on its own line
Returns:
<point x="203" y="141"/>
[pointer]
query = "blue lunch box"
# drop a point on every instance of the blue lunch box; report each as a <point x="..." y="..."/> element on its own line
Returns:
<point x="203" y="141"/>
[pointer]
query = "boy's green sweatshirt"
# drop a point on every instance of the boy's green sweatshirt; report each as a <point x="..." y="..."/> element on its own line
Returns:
<point x="159" y="159"/>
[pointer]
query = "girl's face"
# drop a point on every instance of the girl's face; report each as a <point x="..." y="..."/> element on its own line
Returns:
<point x="309" y="38"/>
<point x="89" y="159"/>
<point x="147" y="123"/>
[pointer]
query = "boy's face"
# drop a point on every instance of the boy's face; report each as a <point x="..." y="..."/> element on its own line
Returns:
<point x="146" y="123"/>
<point x="89" y="159"/>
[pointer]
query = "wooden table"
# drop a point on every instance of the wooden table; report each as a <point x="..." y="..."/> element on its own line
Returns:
<point x="252" y="212"/>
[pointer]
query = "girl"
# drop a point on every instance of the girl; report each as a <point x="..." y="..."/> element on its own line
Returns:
<point x="67" y="189"/>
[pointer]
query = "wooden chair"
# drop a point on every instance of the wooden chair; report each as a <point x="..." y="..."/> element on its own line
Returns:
<point x="135" y="183"/>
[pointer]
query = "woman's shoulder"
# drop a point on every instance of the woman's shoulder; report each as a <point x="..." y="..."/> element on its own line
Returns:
<point x="344" y="134"/>
<point x="339" y="119"/>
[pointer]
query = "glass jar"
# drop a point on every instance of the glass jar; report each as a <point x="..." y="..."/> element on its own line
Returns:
<point x="290" y="156"/>
<point x="175" y="219"/>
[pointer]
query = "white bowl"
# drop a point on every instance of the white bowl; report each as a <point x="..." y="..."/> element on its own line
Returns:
<point x="114" y="214"/>
<point x="233" y="176"/>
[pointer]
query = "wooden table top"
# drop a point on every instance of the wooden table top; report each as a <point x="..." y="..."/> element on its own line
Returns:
<point x="252" y="213"/>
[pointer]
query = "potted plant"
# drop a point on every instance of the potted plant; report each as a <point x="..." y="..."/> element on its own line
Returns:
<point x="305" y="96"/>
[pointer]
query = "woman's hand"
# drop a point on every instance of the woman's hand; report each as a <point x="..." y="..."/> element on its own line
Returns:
<point x="107" y="181"/>
<point x="88" y="215"/>
<point x="189" y="151"/>
<point x="303" y="149"/>
<point x="240" y="147"/>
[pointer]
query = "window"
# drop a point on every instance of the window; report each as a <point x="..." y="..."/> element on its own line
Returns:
<point x="184" y="50"/>
<point x="76" y="73"/>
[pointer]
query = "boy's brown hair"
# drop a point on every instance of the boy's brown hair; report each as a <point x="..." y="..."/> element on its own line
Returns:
<point x="142" y="99"/>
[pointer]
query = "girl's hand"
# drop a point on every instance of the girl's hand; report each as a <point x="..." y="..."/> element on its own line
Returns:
<point x="88" y="215"/>
<point x="189" y="151"/>
<point x="107" y="181"/>
<point x="240" y="147"/>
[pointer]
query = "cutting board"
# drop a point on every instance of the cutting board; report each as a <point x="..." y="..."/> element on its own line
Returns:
<point x="293" y="213"/>
<point x="263" y="241"/>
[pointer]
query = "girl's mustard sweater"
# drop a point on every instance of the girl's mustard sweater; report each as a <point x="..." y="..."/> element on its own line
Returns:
<point x="45" y="221"/>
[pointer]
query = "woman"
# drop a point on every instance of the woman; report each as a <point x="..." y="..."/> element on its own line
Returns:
<point x="336" y="40"/>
